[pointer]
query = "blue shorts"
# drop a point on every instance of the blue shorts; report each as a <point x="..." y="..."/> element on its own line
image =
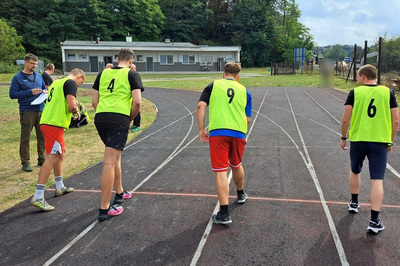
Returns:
<point x="376" y="154"/>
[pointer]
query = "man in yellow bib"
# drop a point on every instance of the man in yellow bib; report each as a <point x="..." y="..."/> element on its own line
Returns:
<point x="56" y="118"/>
<point x="230" y="107"/>
<point x="116" y="98"/>
<point x="372" y="110"/>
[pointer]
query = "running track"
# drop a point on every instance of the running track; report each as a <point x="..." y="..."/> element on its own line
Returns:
<point x="296" y="177"/>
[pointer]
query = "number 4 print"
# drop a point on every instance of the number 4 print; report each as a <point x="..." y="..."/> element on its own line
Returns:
<point x="111" y="85"/>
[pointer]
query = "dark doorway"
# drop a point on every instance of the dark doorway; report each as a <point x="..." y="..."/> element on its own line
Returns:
<point x="94" y="64"/>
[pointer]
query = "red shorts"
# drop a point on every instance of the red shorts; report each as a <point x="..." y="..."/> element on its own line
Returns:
<point x="226" y="151"/>
<point x="53" y="139"/>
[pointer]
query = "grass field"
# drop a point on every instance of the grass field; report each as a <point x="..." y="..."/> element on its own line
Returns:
<point x="84" y="147"/>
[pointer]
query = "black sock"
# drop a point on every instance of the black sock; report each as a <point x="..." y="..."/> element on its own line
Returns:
<point x="223" y="209"/>
<point x="354" y="198"/>
<point x="240" y="192"/>
<point x="374" y="215"/>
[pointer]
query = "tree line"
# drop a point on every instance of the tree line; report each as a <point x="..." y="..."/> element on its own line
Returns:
<point x="266" y="30"/>
<point x="390" y="57"/>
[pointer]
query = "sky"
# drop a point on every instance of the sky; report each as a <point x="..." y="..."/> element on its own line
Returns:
<point x="350" y="22"/>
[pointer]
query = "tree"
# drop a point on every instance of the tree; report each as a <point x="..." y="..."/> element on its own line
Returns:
<point x="336" y="52"/>
<point x="186" y="21"/>
<point x="292" y="33"/>
<point x="390" y="56"/>
<point x="10" y="44"/>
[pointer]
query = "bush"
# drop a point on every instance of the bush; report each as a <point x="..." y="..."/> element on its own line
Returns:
<point x="7" y="68"/>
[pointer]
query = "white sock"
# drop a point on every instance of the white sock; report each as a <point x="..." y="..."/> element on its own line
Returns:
<point x="39" y="192"/>
<point x="59" y="182"/>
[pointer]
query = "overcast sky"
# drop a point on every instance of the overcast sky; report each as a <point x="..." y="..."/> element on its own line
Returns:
<point x="350" y="22"/>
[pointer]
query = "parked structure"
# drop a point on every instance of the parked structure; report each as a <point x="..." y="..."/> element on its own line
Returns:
<point x="93" y="56"/>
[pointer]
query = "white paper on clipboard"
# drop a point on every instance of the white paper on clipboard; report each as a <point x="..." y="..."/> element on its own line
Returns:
<point x="39" y="99"/>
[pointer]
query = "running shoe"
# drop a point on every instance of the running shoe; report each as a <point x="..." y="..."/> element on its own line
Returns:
<point x="110" y="212"/>
<point x="375" y="226"/>
<point x="241" y="198"/>
<point x="27" y="168"/>
<point x="41" y="204"/>
<point x="221" y="219"/>
<point x="119" y="198"/>
<point x="353" y="206"/>
<point x="63" y="191"/>
<point x="135" y="128"/>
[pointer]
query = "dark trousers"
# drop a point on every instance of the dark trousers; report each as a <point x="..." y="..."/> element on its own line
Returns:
<point x="136" y="121"/>
<point x="30" y="120"/>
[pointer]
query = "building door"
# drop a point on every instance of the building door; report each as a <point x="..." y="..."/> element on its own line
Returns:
<point x="149" y="64"/>
<point x="94" y="64"/>
<point x="221" y="64"/>
<point x="107" y="59"/>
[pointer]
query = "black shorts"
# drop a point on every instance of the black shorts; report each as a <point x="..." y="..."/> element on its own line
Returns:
<point x="376" y="154"/>
<point x="113" y="134"/>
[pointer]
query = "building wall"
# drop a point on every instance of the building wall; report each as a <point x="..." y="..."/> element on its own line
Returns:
<point x="203" y="61"/>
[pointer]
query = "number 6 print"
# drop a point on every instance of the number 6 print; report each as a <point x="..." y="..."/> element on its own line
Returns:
<point x="371" y="109"/>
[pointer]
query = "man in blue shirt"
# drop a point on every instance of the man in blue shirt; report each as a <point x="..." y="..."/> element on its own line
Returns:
<point x="26" y="86"/>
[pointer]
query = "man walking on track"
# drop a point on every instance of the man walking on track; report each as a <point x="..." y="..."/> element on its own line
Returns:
<point x="372" y="110"/>
<point x="56" y="117"/>
<point x="116" y="98"/>
<point x="230" y="108"/>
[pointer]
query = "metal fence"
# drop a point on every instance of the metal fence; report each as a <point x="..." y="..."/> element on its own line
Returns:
<point x="289" y="68"/>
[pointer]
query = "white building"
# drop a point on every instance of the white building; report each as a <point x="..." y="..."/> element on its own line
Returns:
<point x="92" y="56"/>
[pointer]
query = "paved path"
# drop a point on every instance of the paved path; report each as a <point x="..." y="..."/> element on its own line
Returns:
<point x="296" y="177"/>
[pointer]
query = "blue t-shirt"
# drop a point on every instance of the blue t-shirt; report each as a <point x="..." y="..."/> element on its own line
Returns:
<point x="21" y="89"/>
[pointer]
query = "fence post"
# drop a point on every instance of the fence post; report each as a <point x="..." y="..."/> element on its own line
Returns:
<point x="379" y="60"/>
<point x="355" y="63"/>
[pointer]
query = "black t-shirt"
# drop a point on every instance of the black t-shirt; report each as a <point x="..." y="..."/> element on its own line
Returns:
<point x="205" y="95"/>
<point x="70" y="87"/>
<point x="47" y="79"/>
<point x="350" y="98"/>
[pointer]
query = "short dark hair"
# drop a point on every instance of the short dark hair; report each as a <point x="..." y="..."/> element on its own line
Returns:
<point x="369" y="71"/>
<point x="50" y="66"/>
<point x="126" y="54"/>
<point x="232" y="68"/>
<point x="31" y="57"/>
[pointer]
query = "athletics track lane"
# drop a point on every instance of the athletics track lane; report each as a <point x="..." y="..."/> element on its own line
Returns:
<point x="292" y="160"/>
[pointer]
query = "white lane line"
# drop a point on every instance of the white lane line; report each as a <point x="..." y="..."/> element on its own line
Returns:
<point x="207" y="231"/>
<point x="321" y="106"/>
<point x="310" y="167"/>
<point x="70" y="244"/>
<point x="90" y="227"/>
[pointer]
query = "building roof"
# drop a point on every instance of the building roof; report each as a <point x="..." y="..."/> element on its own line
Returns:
<point x="141" y="46"/>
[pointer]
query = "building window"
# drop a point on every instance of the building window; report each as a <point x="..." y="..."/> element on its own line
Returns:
<point x="166" y="59"/>
<point x="71" y="57"/>
<point x="139" y="58"/>
<point x="188" y="59"/>
<point x="83" y="56"/>
<point x="206" y="60"/>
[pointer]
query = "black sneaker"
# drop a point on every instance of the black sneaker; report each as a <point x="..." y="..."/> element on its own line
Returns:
<point x="110" y="212"/>
<point x="375" y="226"/>
<point x="353" y="206"/>
<point x="241" y="198"/>
<point x="119" y="198"/>
<point x="221" y="219"/>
